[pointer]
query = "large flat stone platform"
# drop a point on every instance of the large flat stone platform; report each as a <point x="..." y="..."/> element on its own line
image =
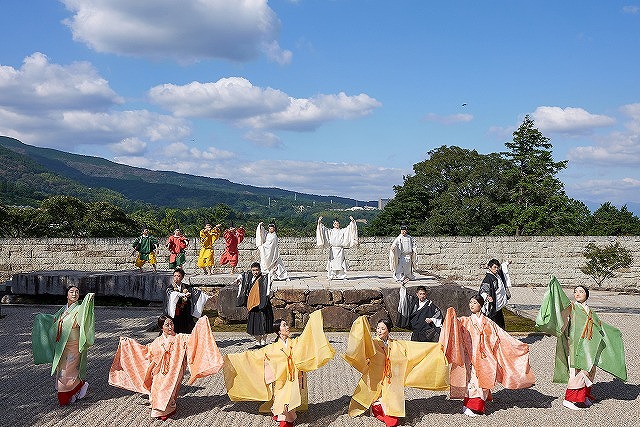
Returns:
<point x="371" y="293"/>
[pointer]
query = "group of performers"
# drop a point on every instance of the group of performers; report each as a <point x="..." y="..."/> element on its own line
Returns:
<point x="468" y="355"/>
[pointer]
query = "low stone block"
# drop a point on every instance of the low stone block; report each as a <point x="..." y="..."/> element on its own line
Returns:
<point x="338" y="317"/>
<point x="360" y="296"/>
<point x="290" y="295"/>
<point x="227" y="305"/>
<point x="319" y="297"/>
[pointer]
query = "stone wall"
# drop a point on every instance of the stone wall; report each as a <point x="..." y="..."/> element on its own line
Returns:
<point x="460" y="259"/>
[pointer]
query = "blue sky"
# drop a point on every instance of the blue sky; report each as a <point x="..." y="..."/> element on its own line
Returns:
<point x="334" y="97"/>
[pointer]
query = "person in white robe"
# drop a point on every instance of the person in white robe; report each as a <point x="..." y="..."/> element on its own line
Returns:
<point x="270" y="260"/>
<point x="337" y="239"/>
<point x="402" y="256"/>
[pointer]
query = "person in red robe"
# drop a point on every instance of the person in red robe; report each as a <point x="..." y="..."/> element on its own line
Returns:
<point x="177" y="244"/>
<point x="232" y="238"/>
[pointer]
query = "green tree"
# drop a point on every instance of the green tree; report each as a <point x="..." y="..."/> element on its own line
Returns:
<point x="602" y="262"/>
<point x="103" y="219"/>
<point x="62" y="216"/>
<point x="608" y="220"/>
<point x="455" y="191"/>
<point x="536" y="196"/>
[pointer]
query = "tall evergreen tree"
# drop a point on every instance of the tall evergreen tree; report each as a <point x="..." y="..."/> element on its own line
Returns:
<point x="536" y="196"/>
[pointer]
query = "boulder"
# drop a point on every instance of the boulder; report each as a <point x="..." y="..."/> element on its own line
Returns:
<point x="290" y="295"/>
<point x="227" y="305"/>
<point x="319" y="297"/>
<point x="337" y="317"/>
<point x="360" y="296"/>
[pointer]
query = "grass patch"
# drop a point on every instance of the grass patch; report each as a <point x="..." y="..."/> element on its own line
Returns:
<point x="518" y="324"/>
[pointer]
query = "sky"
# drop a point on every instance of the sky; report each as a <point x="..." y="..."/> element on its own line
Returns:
<point x="331" y="97"/>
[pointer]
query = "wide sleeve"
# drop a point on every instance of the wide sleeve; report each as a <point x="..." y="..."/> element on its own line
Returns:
<point x="43" y="338"/>
<point x="512" y="355"/>
<point x="244" y="376"/>
<point x="240" y="234"/>
<point x="313" y="349"/>
<point x="452" y="346"/>
<point x="203" y="355"/>
<point x="261" y="235"/>
<point x="405" y="306"/>
<point x="360" y="347"/>
<point x="550" y="318"/>
<point x="611" y="358"/>
<point x="352" y="232"/>
<point x="426" y="366"/>
<point x="198" y="300"/>
<point x="393" y="255"/>
<point x="322" y="235"/>
<point x="86" y="320"/>
<point x="130" y="366"/>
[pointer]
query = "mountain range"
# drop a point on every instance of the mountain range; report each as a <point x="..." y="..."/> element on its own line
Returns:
<point x="31" y="174"/>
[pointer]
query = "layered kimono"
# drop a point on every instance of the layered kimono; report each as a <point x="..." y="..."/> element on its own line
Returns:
<point x="387" y="368"/>
<point x="584" y="342"/>
<point x="275" y="374"/>
<point x="63" y="340"/>
<point x="402" y="258"/>
<point x="413" y="316"/>
<point x="497" y="287"/>
<point x="157" y="369"/>
<point x="270" y="260"/>
<point x="232" y="238"/>
<point x="176" y="246"/>
<point x="146" y="248"/>
<point x="207" y="239"/>
<point x="184" y="311"/>
<point x="481" y="354"/>
<point x="254" y="293"/>
<point x="337" y="239"/>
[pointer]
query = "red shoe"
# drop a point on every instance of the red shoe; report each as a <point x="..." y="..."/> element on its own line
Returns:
<point x="166" y="417"/>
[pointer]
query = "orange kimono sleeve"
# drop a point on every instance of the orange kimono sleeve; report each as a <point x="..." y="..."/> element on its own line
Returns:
<point x="203" y="355"/>
<point x="451" y="340"/>
<point x="130" y="366"/>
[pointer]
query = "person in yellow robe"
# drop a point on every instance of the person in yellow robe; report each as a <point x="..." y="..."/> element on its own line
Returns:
<point x="481" y="354"/>
<point x="157" y="369"/>
<point x="208" y="236"/>
<point x="387" y="367"/>
<point x="275" y="374"/>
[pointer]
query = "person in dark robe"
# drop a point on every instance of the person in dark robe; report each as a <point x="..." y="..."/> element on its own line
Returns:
<point x="254" y="292"/>
<point x="183" y="303"/>
<point x="495" y="290"/>
<point x="420" y="315"/>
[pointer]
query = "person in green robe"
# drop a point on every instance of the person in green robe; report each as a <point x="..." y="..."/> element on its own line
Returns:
<point x="147" y="246"/>
<point x="63" y="339"/>
<point x="584" y="342"/>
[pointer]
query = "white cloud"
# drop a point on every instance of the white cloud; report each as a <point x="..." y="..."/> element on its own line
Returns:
<point x="185" y="30"/>
<point x="65" y="106"/>
<point x="632" y="10"/>
<point x="618" y="191"/>
<point x="263" y="139"/>
<point x="618" y="148"/>
<point x="448" y="119"/>
<point x="129" y="146"/>
<point x="237" y="100"/>
<point x="228" y="98"/>
<point x="361" y="181"/>
<point x="38" y="86"/>
<point x="568" y="120"/>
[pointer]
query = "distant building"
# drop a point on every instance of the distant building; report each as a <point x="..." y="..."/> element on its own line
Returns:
<point x="382" y="203"/>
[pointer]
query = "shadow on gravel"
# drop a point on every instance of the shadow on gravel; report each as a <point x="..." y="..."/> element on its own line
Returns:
<point x="324" y="413"/>
<point x="616" y="389"/>
<point x="525" y="398"/>
<point x="196" y="405"/>
<point x="234" y="342"/>
<point x="532" y="338"/>
<point x="415" y="409"/>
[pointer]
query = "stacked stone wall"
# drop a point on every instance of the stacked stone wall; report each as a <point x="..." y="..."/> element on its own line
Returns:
<point x="460" y="259"/>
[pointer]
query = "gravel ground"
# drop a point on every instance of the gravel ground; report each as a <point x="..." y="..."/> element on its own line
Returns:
<point x="29" y="398"/>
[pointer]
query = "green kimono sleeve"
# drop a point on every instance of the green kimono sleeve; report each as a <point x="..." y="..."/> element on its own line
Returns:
<point x="611" y="358"/>
<point x="86" y="320"/>
<point x="549" y="318"/>
<point x="43" y="339"/>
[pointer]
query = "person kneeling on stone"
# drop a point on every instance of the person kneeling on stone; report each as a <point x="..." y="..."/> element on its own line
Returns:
<point x="254" y="292"/>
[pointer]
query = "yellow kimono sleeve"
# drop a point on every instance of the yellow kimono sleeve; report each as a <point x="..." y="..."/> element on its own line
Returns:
<point x="426" y="366"/>
<point x="244" y="376"/>
<point x="313" y="349"/>
<point x="359" y="345"/>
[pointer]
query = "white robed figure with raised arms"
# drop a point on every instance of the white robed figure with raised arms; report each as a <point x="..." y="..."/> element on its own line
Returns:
<point x="268" y="247"/>
<point x="337" y="239"/>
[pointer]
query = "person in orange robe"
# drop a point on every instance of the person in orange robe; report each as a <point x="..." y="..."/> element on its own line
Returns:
<point x="232" y="238"/>
<point x="157" y="369"/>
<point x="481" y="354"/>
